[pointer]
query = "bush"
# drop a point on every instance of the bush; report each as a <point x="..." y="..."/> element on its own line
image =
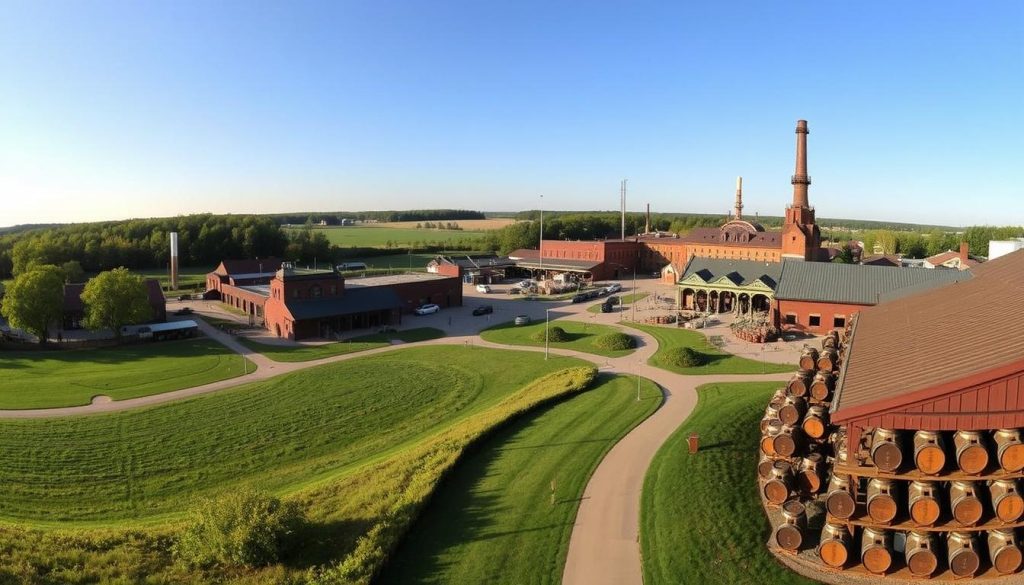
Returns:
<point x="239" y="528"/>
<point x="685" y="357"/>
<point x="615" y="341"/>
<point x="555" y="335"/>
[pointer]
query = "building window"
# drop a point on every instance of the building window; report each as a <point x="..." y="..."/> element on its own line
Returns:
<point x="839" y="322"/>
<point x="815" y="321"/>
<point x="790" y="319"/>
<point x="314" y="291"/>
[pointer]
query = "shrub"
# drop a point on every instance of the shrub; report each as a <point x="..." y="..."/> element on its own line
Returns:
<point x="685" y="357"/>
<point x="554" y="334"/>
<point x="614" y="341"/>
<point x="239" y="528"/>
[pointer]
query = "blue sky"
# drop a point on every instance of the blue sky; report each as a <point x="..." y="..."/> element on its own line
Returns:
<point x="135" y="109"/>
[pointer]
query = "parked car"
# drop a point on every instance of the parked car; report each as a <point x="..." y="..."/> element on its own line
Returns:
<point x="613" y="300"/>
<point x="522" y="320"/>
<point x="184" y="297"/>
<point x="183" y="311"/>
<point x="613" y="287"/>
<point x="524" y="284"/>
<point x="579" y="298"/>
<point x="483" y="310"/>
<point x="483" y="288"/>
<point x="607" y="308"/>
<point x="427" y="309"/>
<point x="593" y="294"/>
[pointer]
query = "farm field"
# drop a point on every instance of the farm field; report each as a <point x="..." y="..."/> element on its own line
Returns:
<point x="719" y="362"/>
<point x="281" y="434"/>
<point x="379" y="237"/>
<point x="581" y="336"/>
<point x="493" y="519"/>
<point x="281" y="353"/>
<point x="48" y="379"/>
<point x="466" y="224"/>
<point x="716" y="534"/>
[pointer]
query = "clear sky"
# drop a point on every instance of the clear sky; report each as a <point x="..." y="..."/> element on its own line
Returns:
<point x="137" y="109"/>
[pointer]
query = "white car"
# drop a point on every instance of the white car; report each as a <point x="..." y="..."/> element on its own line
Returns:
<point x="524" y="283"/>
<point x="613" y="288"/>
<point x="427" y="309"/>
<point x="483" y="288"/>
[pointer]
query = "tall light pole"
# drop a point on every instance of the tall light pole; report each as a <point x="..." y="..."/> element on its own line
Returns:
<point x="635" y="268"/>
<point x="547" y="319"/>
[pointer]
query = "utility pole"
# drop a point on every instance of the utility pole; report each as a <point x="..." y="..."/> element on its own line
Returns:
<point x="540" y="244"/>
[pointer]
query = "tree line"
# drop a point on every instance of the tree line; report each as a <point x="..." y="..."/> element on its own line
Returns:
<point x="335" y="217"/>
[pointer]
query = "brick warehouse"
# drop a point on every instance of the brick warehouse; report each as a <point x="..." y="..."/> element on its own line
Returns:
<point x="296" y="303"/>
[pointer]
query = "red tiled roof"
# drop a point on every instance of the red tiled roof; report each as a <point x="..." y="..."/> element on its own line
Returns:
<point x="248" y="266"/>
<point x="714" y="236"/>
<point x="881" y="260"/>
<point x="942" y="257"/>
<point x="949" y="333"/>
<point x="73" y="295"/>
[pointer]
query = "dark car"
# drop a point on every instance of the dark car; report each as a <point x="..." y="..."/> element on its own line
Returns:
<point x="483" y="310"/>
<point x="613" y="300"/>
<point x="183" y="311"/>
<point x="579" y="298"/>
<point x="606" y="308"/>
<point x="593" y="294"/>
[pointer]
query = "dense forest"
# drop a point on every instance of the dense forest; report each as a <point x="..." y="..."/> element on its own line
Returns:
<point x="335" y="217"/>
<point x="206" y="239"/>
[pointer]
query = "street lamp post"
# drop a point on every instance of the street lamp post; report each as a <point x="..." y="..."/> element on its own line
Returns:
<point x="547" y="319"/>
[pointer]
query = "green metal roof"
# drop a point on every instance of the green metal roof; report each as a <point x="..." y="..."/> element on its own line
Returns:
<point x="831" y="282"/>
<point x="739" y="272"/>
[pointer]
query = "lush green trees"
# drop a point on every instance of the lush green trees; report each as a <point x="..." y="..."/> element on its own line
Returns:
<point x="35" y="300"/>
<point x="73" y="272"/>
<point x="114" y="299"/>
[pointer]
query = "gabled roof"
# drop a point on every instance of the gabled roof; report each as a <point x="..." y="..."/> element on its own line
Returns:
<point x="937" y="337"/>
<point x="739" y="272"/>
<point x="248" y="266"/>
<point x="829" y="282"/>
<point x="714" y="236"/>
<point x="882" y="260"/>
<point x="942" y="257"/>
<point x="73" y="295"/>
<point x="354" y="300"/>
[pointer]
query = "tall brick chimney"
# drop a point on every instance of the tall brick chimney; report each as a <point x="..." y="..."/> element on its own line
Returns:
<point x="801" y="180"/>
<point x="738" y="206"/>
<point x="964" y="253"/>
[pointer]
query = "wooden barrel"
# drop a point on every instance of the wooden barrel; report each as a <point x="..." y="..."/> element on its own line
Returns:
<point x="822" y="386"/>
<point x="809" y="358"/>
<point x="929" y="452"/>
<point x="886" y="450"/>
<point x="764" y="467"/>
<point x="1006" y="500"/>
<point x="971" y="454"/>
<point x="800" y="383"/>
<point x="811" y="477"/>
<point x="815" y="423"/>
<point x="922" y="559"/>
<point x="1009" y="449"/>
<point x="793" y="410"/>
<point x="965" y="503"/>
<point x="790" y="534"/>
<point x="882" y="506"/>
<point x="789" y="442"/>
<point x="834" y="548"/>
<point x="923" y="502"/>
<point x="768" y="439"/>
<point x="778" y="488"/>
<point x="1004" y="551"/>
<point x="963" y="554"/>
<point x="828" y="359"/>
<point x="876" y="550"/>
<point x="839" y="501"/>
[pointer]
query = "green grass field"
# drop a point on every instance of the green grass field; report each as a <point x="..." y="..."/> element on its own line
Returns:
<point x="189" y="277"/>
<point x="279" y="434"/>
<point x="493" y="520"/>
<point x="719" y="362"/>
<point x="280" y="353"/>
<point x="582" y="336"/>
<point x="47" y="379"/>
<point x="378" y="237"/>
<point x="701" y="517"/>
<point x="624" y="302"/>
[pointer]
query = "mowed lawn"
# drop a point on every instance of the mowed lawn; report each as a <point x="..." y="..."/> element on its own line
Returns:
<point x="581" y="336"/>
<point x="303" y="353"/>
<point x="279" y="434"/>
<point x="493" y="520"/>
<point x="701" y="517"/>
<point x="718" y="361"/>
<point x="47" y="379"/>
<point x="379" y="237"/>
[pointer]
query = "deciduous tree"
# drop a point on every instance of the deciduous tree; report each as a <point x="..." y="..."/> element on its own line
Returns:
<point x="114" y="299"/>
<point x="35" y="300"/>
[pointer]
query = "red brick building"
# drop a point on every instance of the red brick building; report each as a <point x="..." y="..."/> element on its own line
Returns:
<point x="74" y="308"/>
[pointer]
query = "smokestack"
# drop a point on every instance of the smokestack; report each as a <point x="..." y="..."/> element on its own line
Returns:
<point x="801" y="180"/>
<point x="738" y="207"/>
<point x="623" y="192"/>
<point x="647" y="224"/>
<point x="174" y="260"/>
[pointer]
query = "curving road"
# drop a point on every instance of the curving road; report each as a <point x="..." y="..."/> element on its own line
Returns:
<point x="604" y="547"/>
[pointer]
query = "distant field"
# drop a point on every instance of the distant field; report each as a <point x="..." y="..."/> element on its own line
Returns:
<point x="48" y="379"/>
<point x="494" y="521"/>
<point x="466" y="224"/>
<point x="378" y="237"/>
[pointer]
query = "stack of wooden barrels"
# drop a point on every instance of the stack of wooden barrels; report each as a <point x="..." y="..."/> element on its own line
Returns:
<point x="916" y="503"/>
<point x="795" y="445"/>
